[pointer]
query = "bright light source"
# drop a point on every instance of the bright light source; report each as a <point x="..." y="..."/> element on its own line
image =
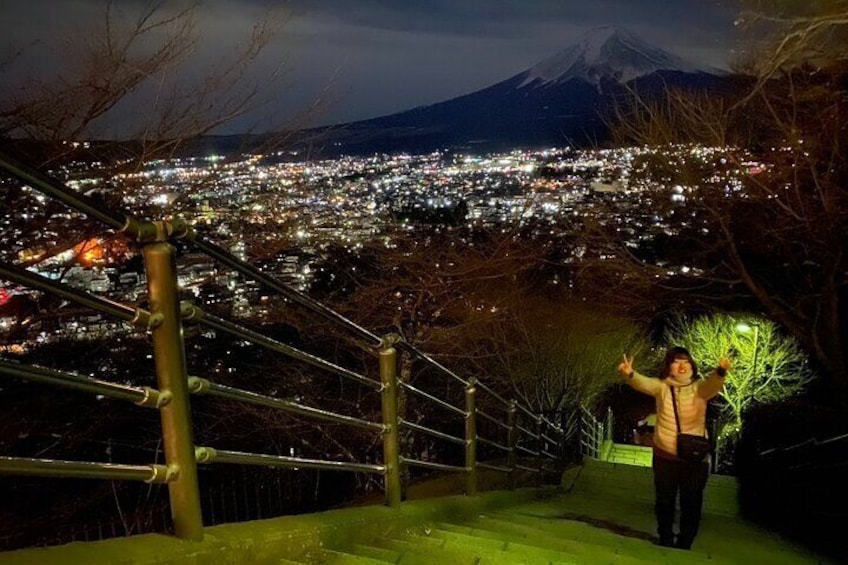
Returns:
<point x="743" y="327"/>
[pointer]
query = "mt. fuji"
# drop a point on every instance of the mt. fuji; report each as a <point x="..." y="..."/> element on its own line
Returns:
<point x="608" y="52"/>
<point x="562" y="100"/>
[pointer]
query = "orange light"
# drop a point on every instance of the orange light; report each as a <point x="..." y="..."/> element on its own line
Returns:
<point x="90" y="251"/>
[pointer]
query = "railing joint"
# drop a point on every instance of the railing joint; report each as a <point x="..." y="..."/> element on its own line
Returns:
<point x="197" y="385"/>
<point x="141" y="319"/>
<point x="205" y="454"/>
<point x="190" y="312"/>
<point x="180" y="229"/>
<point x="159" y="231"/>
<point x="139" y="231"/>
<point x="161" y="474"/>
<point x="155" y="398"/>
<point x="155" y="320"/>
<point x="390" y="340"/>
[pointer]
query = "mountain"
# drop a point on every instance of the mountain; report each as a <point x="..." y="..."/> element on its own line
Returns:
<point x="564" y="99"/>
<point x="608" y="53"/>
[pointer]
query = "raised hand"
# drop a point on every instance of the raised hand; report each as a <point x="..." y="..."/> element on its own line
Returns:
<point x="625" y="368"/>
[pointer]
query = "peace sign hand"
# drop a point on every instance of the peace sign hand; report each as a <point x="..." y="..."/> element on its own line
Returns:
<point x="625" y="368"/>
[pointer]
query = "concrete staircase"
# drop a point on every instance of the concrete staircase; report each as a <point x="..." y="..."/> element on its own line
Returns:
<point x="603" y="514"/>
<point x="625" y="454"/>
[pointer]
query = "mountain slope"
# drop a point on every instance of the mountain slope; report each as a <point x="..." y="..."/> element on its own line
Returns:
<point x="565" y="99"/>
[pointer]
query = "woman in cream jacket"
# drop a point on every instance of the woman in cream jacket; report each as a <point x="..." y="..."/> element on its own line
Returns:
<point x="672" y="474"/>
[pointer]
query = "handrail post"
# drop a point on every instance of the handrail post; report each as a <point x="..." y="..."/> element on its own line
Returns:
<point x="599" y="438"/>
<point x="561" y="447"/>
<point x="471" y="437"/>
<point x="540" y="458"/>
<point x="391" y="434"/>
<point x="512" y="441"/>
<point x="172" y="376"/>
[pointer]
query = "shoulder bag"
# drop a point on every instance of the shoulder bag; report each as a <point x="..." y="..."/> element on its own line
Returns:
<point x="689" y="447"/>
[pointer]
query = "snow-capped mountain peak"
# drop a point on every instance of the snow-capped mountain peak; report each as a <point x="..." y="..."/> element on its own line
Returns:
<point x="609" y="52"/>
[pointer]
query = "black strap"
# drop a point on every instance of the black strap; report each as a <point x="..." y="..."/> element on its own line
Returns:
<point x="674" y="405"/>
<point x="676" y="417"/>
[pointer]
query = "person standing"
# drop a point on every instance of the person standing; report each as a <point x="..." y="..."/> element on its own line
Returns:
<point x="681" y="398"/>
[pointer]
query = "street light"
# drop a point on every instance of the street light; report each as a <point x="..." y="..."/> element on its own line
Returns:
<point x="745" y="328"/>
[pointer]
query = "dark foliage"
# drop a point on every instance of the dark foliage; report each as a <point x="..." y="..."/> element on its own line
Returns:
<point x="791" y="462"/>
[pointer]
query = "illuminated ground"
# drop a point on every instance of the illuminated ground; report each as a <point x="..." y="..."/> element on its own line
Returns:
<point x="602" y="514"/>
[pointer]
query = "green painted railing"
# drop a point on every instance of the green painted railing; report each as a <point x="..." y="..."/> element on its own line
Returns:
<point x="529" y="441"/>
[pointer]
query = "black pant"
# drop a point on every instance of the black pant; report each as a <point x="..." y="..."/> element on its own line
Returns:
<point x="690" y="478"/>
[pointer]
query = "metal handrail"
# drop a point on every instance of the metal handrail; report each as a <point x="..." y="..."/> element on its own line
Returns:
<point x="85" y="470"/>
<point x="493" y="444"/>
<point x="492" y="419"/>
<point x="119" y="221"/>
<point x="430" y="431"/>
<point x="143" y="396"/>
<point x="423" y="356"/>
<point x="432" y="465"/>
<point x="192" y="313"/>
<point x="527" y="411"/>
<point x="810" y="441"/>
<point x="56" y="189"/>
<point x="431" y="398"/>
<point x="210" y="455"/>
<point x="165" y="324"/>
<point x="225" y="257"/>
<point x="530" y="469"/>
<point x="202" y="386"/>
<point x="495" y="467"/>
<point x="527" y="432"/>
<point x="548" y="439"/>
<point x="526" y="450"/>
<point x="591" y="434"/>
<point x="494" y="394"/>
<point x="550" y="424"/>
<point x="42" y="283"/>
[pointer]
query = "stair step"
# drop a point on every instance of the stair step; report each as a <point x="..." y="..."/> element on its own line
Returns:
<point x="631" y="447"/>
<point x="415" y="552"/>
<point x="489" y="530"/>
<point x="495" y="550"/>
<point x="597" y="543"/>
<point x="374" y="552"/>
<point x="336" y="557"/>
<point x="578" y="550"/>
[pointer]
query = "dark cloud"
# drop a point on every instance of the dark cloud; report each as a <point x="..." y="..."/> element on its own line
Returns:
<point x="513" y="18"/>
<point x="354" y="59"/>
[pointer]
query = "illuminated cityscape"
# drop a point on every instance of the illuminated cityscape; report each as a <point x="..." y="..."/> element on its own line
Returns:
<point x="289" y="212"/>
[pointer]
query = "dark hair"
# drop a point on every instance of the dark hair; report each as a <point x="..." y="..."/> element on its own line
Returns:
<point x="672" y="354"/>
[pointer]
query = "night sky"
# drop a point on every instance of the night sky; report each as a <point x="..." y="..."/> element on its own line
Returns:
<point x="363" y="58"/>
